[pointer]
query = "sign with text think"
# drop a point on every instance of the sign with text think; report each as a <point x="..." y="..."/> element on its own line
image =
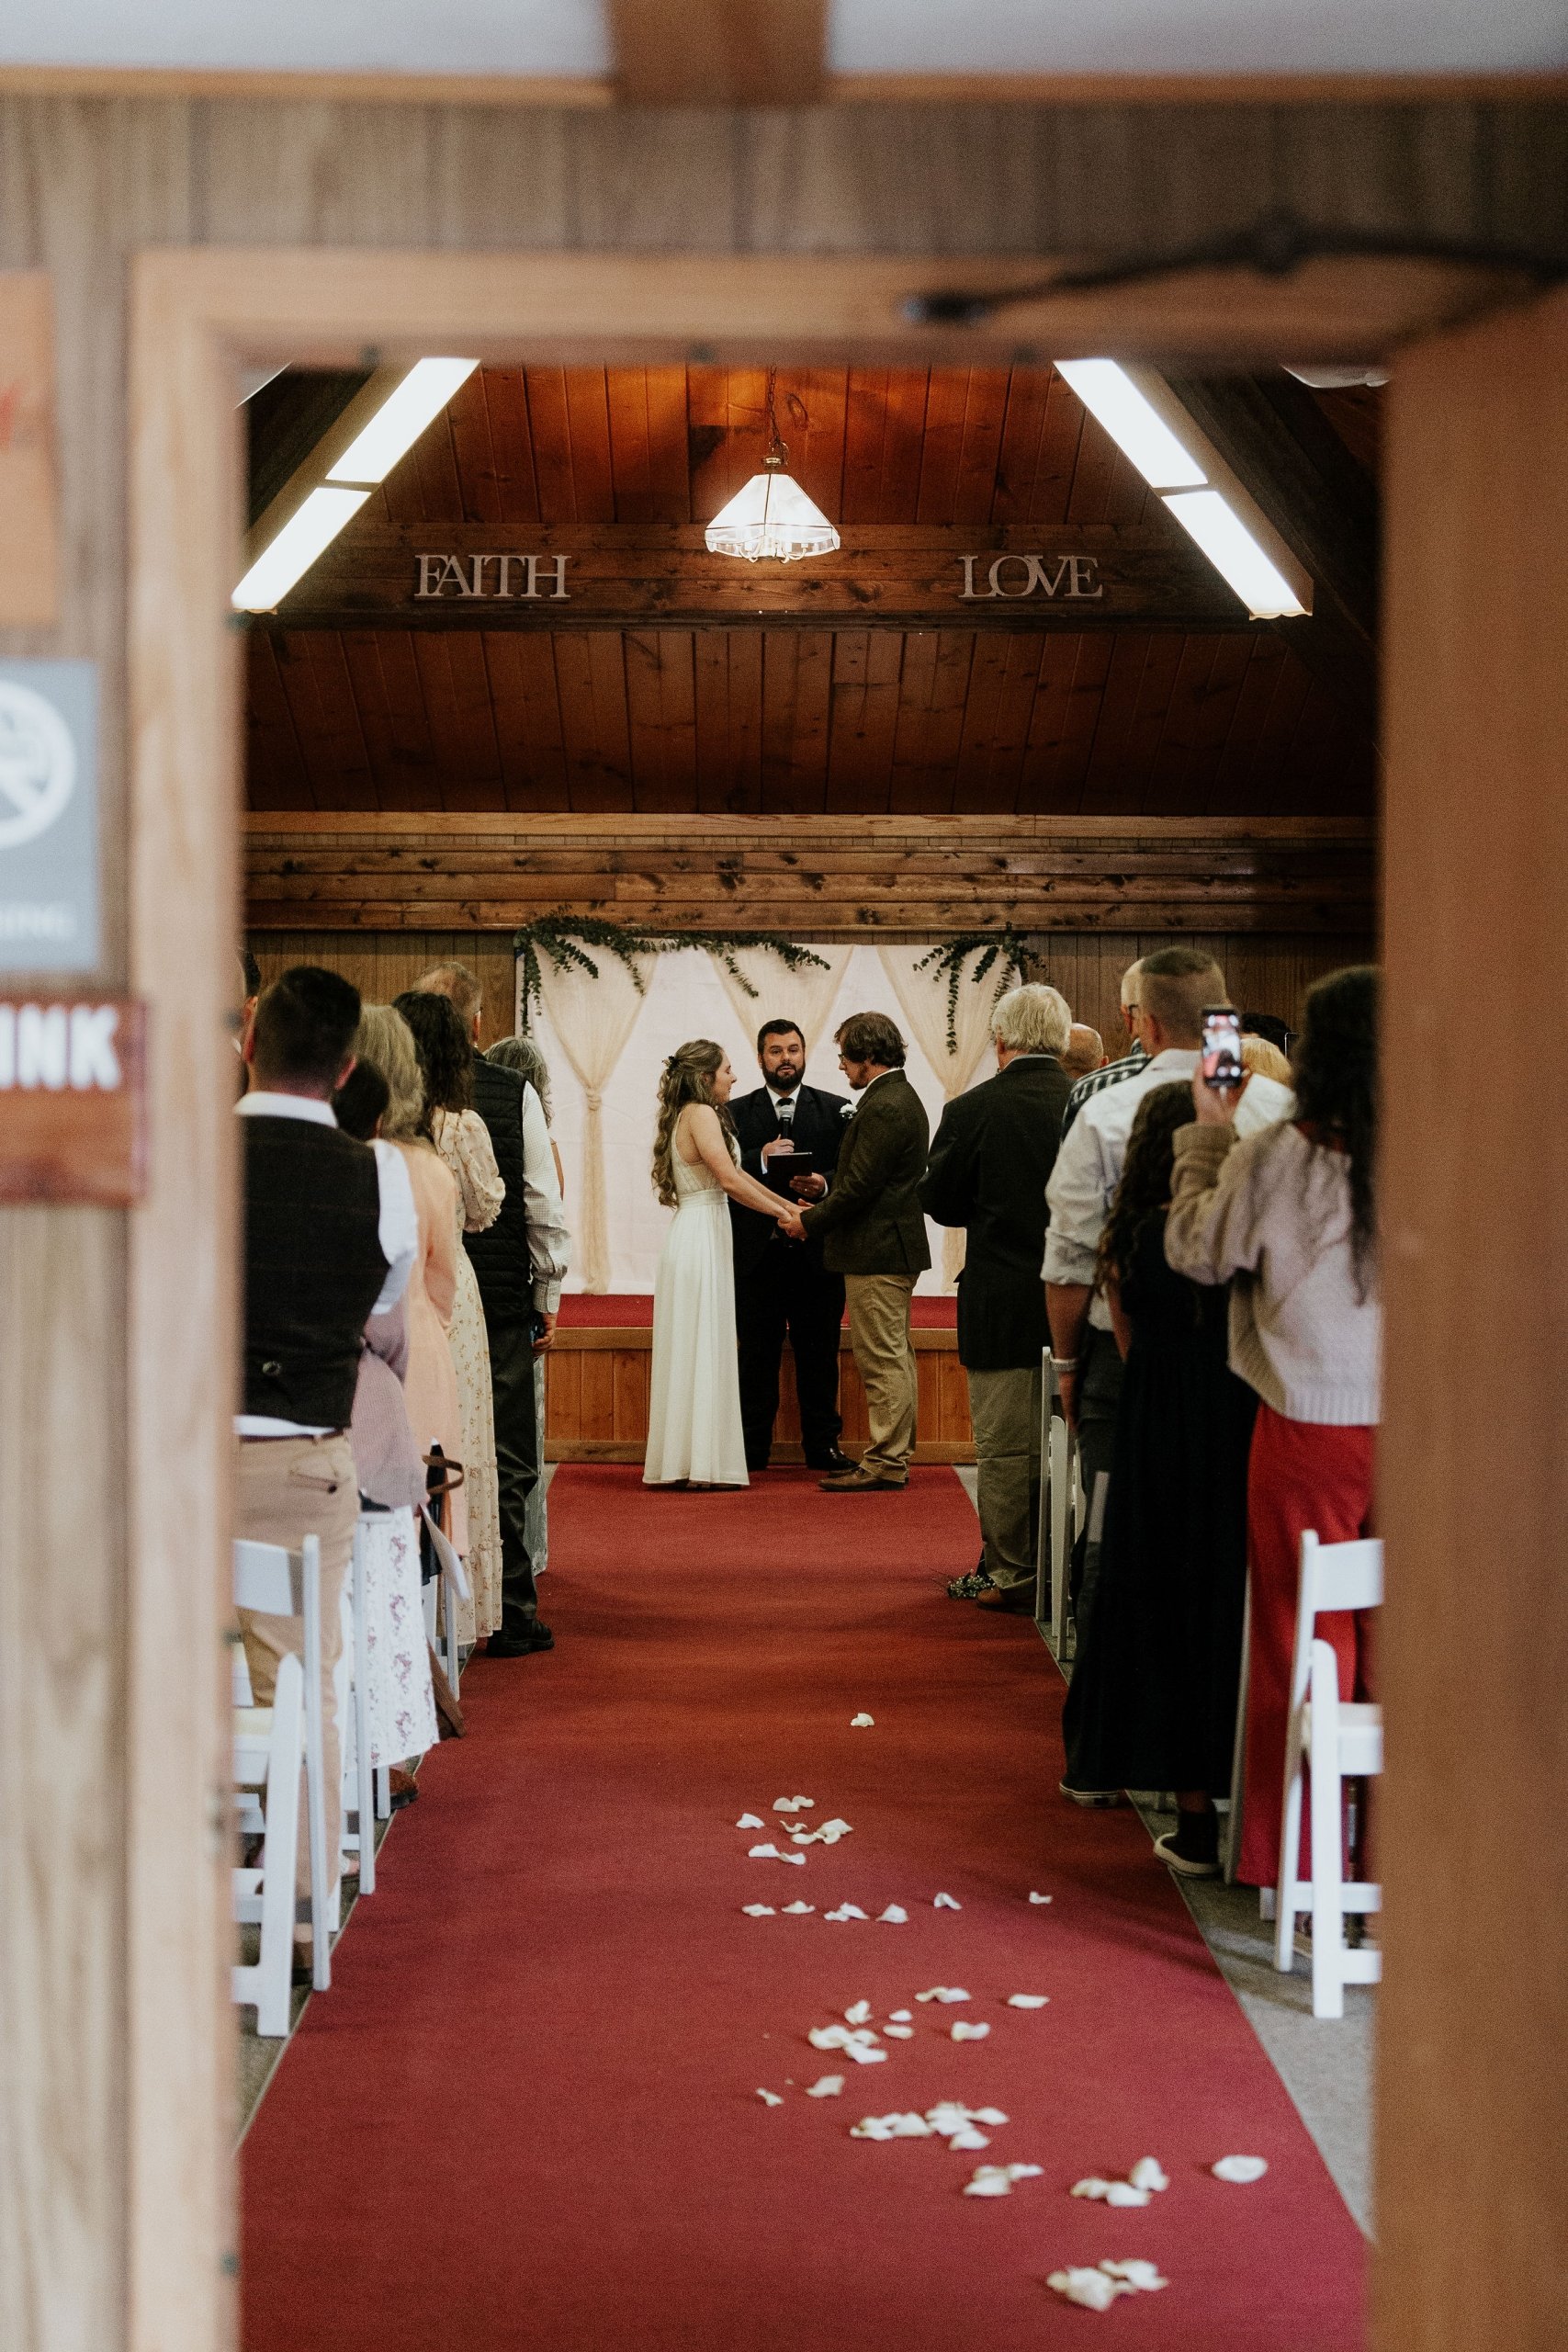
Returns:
<point x="72" y="1100"/>
<point x="48" y="817"/>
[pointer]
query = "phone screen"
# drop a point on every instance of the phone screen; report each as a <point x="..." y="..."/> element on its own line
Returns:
<point x="1221" y="1060"/>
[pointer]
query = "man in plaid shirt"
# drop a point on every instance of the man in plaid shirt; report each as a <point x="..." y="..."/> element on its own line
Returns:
<point x="1113" y="1072"/>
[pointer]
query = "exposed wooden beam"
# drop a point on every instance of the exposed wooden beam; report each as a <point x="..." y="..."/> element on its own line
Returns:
<point x="285" y="424"/>
<point x="719" y="52"/>
<point x="445" y="575"/>
<point x="1275" y="437"/>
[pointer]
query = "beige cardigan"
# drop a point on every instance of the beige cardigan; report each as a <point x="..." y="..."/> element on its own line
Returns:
<point x="1271" y="1214"/>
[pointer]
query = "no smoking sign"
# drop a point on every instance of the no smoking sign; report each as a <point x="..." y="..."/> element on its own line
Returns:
<point x="48" y="817"/>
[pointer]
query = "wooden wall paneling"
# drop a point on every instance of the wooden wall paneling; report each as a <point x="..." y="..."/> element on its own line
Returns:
<point x="1471" y="2082"/>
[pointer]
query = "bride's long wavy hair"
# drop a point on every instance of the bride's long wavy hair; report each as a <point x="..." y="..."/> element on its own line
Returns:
<point x="687" y="1077"/>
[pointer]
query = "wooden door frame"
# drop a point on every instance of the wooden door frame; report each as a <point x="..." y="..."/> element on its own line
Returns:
<point x="195" y="314"/>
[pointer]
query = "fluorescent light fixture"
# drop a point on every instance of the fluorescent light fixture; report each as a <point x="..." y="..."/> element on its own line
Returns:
<point x="1236" y="554"/>
<point x="771" y="517"/>
<point x="313" y="525"/>
<point x="402" y="418"/>
<point x="1109" y="394"/>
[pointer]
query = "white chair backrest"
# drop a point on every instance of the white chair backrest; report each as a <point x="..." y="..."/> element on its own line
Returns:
<point x="1333" y="1575"/>
<point x="267" y="1579"/>
<point x="1340" y="1576"/>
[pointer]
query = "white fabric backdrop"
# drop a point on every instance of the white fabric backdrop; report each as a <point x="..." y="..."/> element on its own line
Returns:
<point x="922" y="998"/>
<point x="687" y="998"/>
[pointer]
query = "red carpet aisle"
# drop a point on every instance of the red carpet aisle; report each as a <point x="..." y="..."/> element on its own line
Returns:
<point x="526" y="2116"/>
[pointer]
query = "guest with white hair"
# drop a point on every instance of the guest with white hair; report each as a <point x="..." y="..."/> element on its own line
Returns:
<point x="989" y="1164"/>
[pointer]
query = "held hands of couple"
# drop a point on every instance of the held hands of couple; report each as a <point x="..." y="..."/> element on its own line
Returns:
<point x="790" y="1224"/>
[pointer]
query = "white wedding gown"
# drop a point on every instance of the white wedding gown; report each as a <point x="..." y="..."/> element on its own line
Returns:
<point x="694" y="1404"/>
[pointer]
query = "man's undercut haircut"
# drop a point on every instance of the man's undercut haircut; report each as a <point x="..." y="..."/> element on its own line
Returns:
<point x="871" y="1037"/>
<point x="252" y="972"/>
<point x="780" y="1029"/>
<point x="304" y="1028"/>
<point x="1033" y="1018"/>
<point x="457" y="984"/>
<point x="1130" y="986"/>
<point x="1175" y="985"/>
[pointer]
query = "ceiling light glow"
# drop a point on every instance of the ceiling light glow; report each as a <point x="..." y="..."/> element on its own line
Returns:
<point x="312" y="527"/>
<point x="772" y="518"/>
<point x="401" y="419"/>
<point x="1236" y="554"/>
<point x="1111" y="396"/>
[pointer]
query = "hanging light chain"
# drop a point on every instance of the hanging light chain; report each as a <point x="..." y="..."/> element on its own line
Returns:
<point x="778" y="450"/>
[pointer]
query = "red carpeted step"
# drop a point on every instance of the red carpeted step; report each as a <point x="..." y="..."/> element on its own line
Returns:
<point x="525" y="2116"/>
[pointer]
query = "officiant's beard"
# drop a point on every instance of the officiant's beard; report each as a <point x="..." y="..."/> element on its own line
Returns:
<point x="785" y="1082"/>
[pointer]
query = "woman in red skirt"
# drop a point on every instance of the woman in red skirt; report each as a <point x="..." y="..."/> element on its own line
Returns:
<point x="1289" y="1218"/>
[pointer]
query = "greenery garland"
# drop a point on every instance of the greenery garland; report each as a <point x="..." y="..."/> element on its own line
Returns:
<point x="991" y="947"/>
<point x="570" y="941"/>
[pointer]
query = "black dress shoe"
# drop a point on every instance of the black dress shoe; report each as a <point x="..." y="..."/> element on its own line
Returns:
<point x="534" y="1636"/>
<point x="833" y="1463"/>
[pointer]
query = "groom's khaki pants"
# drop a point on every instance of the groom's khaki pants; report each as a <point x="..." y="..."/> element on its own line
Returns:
<point x="884" y="1358"/>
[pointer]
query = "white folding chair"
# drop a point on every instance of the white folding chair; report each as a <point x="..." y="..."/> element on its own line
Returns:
<point x="359" y="1779"/>
<point x="269" y="1755"/>
<point x="1043" y="1507"/>
<point x="455" y="1587"/>
<point x="1238" y="1761"/>
<point x="1058" y="1507"/>
<point x="1336" y="1741"/>
<point x="292" y="1580"/>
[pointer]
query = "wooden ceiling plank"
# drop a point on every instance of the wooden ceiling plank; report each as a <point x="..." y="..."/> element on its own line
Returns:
<point x="527" y="720"/>
<point x="1232" y="658"/>
<point x="1235" y="767"/>
<point x="432" y="464"/>
<point x="341" y="751"/>
<point x="473" y="453"/>
<point x="806" y="778"/>
<point x="393" y="787"/>
<point x="719" y="52"/>
<point x="817" y="447"/>
<point x="707" y="430"/>
<point x="1018" y="461"/>
<point x="512" y="444"/>
<point x="720" y="784"/>
<point x="909" y="773"/>
<point x="867" y="783"/>
<point x="908" y="391"/>
<point x="1127" y="792"/>
<point x="1066" y="712"/>
<point x="1119" y="701"/>
<point x="462" y="722"/>
<point x="865" y="432"/>
<point x="669" y="444"/>
<point x="408" y="763"/>
<point x="980" y="448"/>
<point x="746" y="650"/>
<point x="1163" y="786"/>
<point x="947" y="397"/>
<point x="275" y="762"/>
<point x="551" y="431"/>
<point x="981" y="714"/>
<point x="625" y="403"/>
<point x="587" y="421"/>
<point x="1094" y="473"/>
<point x="1066" y="421"/>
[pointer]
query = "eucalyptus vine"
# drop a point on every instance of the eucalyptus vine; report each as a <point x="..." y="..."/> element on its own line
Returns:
<point x="572" y="941"/>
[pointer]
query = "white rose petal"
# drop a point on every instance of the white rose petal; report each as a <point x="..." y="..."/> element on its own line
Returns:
<point x="1092" y="2289"/>
<point x="1025" y="2172"/>
<point x="758" y="1910"/>
<point x="862" y="1722"/>
<point x="770" y="2098"/>
<point x="859" y="2015"/>
<point x="893" y="1916"/>
<point x="965" y="2031"/>
<point x="963" y="2141"/>
<point x="944" y="1992"/>
<point x="899" y="2032"/>
<point x="1143" y="2276"/>
<point x="900" y="2017"/>
<point x="844" y="1911"/>
<point x="829" y="2037"/>
<point x="1148" y="2173"/>
<point x="1093" y="2186"/>
<point x="1040" y="1898"/>
<point x="798" y="1910"/>
<point x="988" y="2180"/>
<point x="751" y="1821"/>
<point x="824" y="2086"/>
<point x="945" y="1903"/>
<point x="1028" y="2000"/>
<point x="793" y="1804"/>
<point x="986" y="2115"/>
<point x="1242" y="2170"/>
<point x="1122" y="2192"/>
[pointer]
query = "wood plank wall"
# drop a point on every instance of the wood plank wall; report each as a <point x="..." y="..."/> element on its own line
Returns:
<point x="84" y="182"/>
<point x="1268" y="973"/>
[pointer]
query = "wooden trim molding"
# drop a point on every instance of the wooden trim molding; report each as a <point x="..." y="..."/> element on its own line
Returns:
<point x="574" y="92"/>
<point x="829" y="878"/>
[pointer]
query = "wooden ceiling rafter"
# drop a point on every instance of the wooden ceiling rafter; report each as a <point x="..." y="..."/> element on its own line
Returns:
<point x="719" y="52"/>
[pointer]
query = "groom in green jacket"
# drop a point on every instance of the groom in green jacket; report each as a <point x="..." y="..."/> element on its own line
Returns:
<point x="873" y="1232"/>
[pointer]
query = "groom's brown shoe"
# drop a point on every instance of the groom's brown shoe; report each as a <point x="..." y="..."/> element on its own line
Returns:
<point x="861" y="1482"/>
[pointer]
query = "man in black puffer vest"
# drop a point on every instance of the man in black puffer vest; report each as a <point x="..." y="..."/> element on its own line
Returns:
<point x="520" y="1261"/>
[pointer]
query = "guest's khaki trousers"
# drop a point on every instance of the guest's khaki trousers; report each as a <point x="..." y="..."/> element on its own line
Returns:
<point x="884" y="1357"/>
<point x="1005" y="1410"/>
<point x="287" y="1488"/>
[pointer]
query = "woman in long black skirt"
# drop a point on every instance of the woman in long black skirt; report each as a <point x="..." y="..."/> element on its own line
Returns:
<point x="1154" y="1690"/>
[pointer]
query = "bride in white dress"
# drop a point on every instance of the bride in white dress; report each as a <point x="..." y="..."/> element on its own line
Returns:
<point x="694" y="1408"/>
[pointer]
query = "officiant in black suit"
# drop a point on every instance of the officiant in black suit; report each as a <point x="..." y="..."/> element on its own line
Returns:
<point x="782" y="1286"/>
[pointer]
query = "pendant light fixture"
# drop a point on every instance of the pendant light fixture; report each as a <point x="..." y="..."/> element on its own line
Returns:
<point x="772" y="516"/>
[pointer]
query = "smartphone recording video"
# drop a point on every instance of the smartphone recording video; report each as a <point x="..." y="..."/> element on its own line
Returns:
<point x="1221" y="1060"/>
